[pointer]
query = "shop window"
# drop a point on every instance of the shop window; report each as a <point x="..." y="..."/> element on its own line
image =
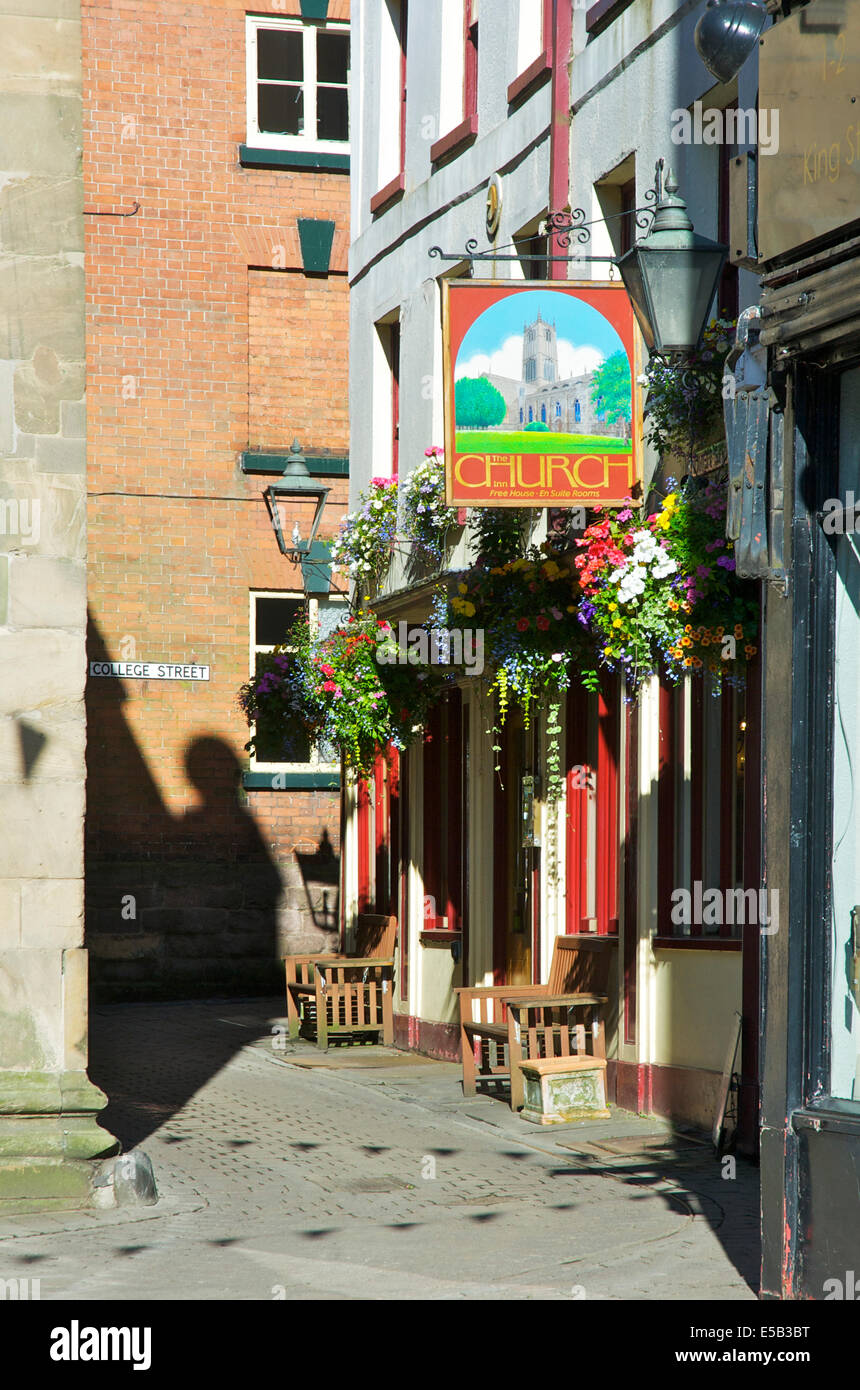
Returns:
<point x="297" y="85"/>
<point x="271" y="619"/>
<point x="445" y="855"/>
<point x="704" y="808"/>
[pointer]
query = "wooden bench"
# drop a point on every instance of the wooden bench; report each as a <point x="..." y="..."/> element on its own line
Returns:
<point x="346" y="993"/>
<point x="558" y="1019"/>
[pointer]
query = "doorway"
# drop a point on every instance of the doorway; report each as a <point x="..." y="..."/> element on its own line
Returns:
<point x="516" y="870"/>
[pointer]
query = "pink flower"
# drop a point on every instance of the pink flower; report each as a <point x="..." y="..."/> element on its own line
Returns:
<point x="557" y="614"/>
<point x="329" y="685"/>
<point x="625" y="515"/>
<point x="326" y="670"/>
<point x="432" y="451"/>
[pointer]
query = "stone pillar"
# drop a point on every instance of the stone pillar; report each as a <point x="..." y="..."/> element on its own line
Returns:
<point x="49" y="1135"/>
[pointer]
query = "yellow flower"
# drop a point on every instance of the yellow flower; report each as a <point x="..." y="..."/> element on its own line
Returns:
<point x="462" y="588"/>
<point x="612" y="607"/>
<point x="571" y="608"/>
<point x="663" y="520"/>
<point x="688" y="628"/>
<point x="458" y="605"/>
<point x="688" y="661"/>
<point x="686" y="641"/>
<point x="551" y="569"/>
<point x="607" y="651"/>
<point x="469" y="610"/>
<point x="617" y="623"/>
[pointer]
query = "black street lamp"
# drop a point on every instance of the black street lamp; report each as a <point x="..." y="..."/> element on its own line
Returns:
<point x="295" y="486"/>
<point x="672" y="275"/>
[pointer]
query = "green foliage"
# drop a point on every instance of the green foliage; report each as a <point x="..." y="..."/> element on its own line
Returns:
<point x="613" y="382"/>
<point x="684" y="408"/>
<point x="537" y="427"/>
<point x="341" y="692"/>
<point x="478" y="404"/>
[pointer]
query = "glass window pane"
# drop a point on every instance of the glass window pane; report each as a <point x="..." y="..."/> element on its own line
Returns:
<point x="332" y="113"/>
<point x="275" y="617"/>
<point x="279" y="55"/>
<point x="332" y="57"/>
<point x="280" y="110"/>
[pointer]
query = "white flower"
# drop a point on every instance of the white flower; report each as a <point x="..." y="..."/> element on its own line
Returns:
<point x="557" y="656"/>
<point x="665" y="565"/>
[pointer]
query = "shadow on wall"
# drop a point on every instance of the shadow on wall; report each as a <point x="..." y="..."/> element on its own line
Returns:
<point x="193" y="905"/>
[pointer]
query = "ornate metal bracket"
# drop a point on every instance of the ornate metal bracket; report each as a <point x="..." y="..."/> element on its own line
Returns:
<point x="562" y="227"/>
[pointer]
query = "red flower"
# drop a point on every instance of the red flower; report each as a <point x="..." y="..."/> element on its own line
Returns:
<point x="522" y="624"/>
<point x="543" y="623"/>
<point x="329" y="685"/>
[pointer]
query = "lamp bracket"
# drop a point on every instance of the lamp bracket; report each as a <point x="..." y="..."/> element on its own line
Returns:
<point x="562" y="227"/>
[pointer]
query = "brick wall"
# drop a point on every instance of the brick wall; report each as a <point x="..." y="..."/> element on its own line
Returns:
<point x="197" y="349"/>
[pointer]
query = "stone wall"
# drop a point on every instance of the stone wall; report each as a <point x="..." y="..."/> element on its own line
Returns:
<point x="48" y="1131"/>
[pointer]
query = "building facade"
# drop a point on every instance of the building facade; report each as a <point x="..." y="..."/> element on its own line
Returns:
<point x="807" y="335"/>
<point x="558" y="108"/>
<point x="217" y="300"/>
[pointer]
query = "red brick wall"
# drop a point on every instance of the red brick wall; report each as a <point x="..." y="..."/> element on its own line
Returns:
<point x="187" y="367"/>
<point x="297" y="375"/>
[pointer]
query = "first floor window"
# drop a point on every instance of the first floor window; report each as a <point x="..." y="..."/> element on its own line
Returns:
<point x="297" y="81"/>
<point x="284" y="745"/>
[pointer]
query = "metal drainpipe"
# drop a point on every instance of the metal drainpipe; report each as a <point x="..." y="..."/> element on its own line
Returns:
<point x="559" y="138"/>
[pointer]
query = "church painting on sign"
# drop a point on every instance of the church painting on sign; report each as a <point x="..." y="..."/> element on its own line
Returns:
<point x="540" y="402"/>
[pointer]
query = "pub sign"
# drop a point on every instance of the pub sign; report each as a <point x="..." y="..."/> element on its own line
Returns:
<point x="541" y="402"/>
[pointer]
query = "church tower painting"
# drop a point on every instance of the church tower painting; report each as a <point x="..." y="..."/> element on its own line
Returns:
<point x="540" y="353"/>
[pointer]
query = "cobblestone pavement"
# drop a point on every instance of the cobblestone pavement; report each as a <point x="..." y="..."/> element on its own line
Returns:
<point x="366" y="1174"/>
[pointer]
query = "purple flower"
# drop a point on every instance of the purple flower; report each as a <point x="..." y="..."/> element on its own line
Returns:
<point x="726" y="562"/>
<point x="704" y="571"/>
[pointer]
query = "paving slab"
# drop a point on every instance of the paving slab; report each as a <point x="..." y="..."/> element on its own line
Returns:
<point x="376" y="1180"/>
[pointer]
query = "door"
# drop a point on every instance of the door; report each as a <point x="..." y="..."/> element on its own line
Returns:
<point x="517" y="857"/>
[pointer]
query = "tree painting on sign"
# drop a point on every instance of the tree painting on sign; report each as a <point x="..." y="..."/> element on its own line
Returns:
<point x="540" y="403"/>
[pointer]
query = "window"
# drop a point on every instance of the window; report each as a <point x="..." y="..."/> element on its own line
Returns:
<point x="577" y="411"/>
<point x="704" y="805"/>
<point x="272" y="616"/>
<point x="297" y="81"/>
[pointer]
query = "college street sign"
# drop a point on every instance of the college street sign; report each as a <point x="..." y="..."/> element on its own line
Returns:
<point x="150" y="670"/>
<point x="541" y="402"/>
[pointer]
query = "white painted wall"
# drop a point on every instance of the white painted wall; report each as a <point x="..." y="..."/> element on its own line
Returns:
<point x="626" y="83"/>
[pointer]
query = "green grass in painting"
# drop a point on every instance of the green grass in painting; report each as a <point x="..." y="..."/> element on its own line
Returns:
<point x="536" y="442"/>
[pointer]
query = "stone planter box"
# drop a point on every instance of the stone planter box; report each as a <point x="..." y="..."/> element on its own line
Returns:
<point x="561" y="1089"/>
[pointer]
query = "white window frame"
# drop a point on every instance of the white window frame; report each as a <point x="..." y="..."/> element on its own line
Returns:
<point x="315" y="764"/>
<point x="269" y="140"/>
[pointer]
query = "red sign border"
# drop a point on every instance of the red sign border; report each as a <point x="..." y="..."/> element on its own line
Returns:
<point x="623" y="321"/>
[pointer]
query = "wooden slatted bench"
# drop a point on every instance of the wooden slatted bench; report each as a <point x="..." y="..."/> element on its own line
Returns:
<point x="346" y="993"/>
<point x="536" y="1020"/>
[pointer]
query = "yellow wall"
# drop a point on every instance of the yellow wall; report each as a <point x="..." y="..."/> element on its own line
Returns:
<point x="695" y="995"/>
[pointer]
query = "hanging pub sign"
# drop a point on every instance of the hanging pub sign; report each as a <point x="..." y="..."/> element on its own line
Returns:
<point x="541" y="402"/>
